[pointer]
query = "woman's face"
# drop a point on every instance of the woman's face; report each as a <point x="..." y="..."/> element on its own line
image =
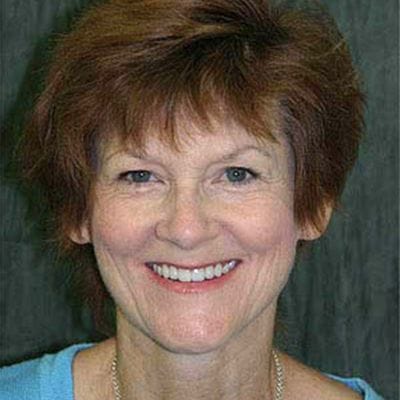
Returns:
<point x="223" y="198"/>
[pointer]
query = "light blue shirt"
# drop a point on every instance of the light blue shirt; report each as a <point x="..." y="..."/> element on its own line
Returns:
<point x="50" y="378"/>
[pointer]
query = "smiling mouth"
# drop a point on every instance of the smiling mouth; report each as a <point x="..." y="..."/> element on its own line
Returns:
<point x="211" y="271"/>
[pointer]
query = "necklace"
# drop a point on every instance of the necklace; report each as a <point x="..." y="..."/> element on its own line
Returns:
<point x="279" y="380"/>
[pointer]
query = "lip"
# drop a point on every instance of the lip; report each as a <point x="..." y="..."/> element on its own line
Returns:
<point x="192" y="287"/>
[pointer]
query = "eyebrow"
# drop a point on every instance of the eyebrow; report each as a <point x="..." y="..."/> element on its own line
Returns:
<point x="236" y="153"/>
<point x="226" y="157"/>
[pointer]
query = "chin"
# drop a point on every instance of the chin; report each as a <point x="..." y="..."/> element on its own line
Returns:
<point x="193" y="339"/>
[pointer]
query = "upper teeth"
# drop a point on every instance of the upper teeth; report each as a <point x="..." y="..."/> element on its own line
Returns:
<point x="193" y="275"/>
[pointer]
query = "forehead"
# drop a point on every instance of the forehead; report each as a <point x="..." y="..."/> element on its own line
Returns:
<point x="193" y="139"/>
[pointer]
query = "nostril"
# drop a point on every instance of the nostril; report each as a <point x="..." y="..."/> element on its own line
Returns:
<point x="185" y="232"/>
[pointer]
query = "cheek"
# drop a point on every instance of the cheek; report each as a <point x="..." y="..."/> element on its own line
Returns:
<point x="268" y="225"/>
<point x="118" y="229"/>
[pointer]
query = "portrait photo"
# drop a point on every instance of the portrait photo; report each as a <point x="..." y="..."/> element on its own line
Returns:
<point x="199" y="199"/>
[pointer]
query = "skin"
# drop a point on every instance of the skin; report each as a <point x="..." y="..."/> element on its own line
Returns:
<point x="189" y="211"/>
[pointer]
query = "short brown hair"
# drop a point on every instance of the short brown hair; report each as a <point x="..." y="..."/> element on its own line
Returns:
<point x="128" y="63"/>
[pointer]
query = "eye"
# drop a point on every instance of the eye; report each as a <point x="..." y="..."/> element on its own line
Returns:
<point x="136" y="177"/>
<point x="240" y="175"/>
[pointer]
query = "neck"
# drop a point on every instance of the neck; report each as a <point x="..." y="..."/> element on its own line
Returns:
<point x="242" y="368"/>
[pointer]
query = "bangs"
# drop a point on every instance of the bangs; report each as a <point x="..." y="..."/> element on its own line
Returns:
<point x="171" y="116"/>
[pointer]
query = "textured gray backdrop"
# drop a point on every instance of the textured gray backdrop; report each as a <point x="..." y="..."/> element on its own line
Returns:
<point x="341" y="305"/>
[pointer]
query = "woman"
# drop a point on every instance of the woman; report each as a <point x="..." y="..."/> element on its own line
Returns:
<point x="187" y="149"/>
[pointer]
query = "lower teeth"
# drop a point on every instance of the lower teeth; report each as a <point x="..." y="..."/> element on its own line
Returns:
<point x="191" y="281"/>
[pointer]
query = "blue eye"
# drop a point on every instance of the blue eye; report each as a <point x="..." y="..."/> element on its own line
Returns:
<point x="139" y="176"/>
<point x="240" y="175"/>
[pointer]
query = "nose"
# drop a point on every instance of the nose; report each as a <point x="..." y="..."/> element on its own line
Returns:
<point x="186" y="220"/>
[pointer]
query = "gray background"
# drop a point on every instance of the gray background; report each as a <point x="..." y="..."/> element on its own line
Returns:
<point x="341" y="305"/>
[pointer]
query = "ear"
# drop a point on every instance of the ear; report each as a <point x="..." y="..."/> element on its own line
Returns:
<point x="81" y="235"/>
<point x="311" y="232"/>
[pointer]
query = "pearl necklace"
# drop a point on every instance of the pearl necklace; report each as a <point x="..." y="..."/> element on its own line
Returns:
<point x="279" y="385"/>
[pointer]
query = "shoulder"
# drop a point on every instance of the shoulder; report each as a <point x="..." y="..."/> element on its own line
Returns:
<point x="304" y="382"/>
<point x="20" y="381"/>
<point x="44" y="378"/>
